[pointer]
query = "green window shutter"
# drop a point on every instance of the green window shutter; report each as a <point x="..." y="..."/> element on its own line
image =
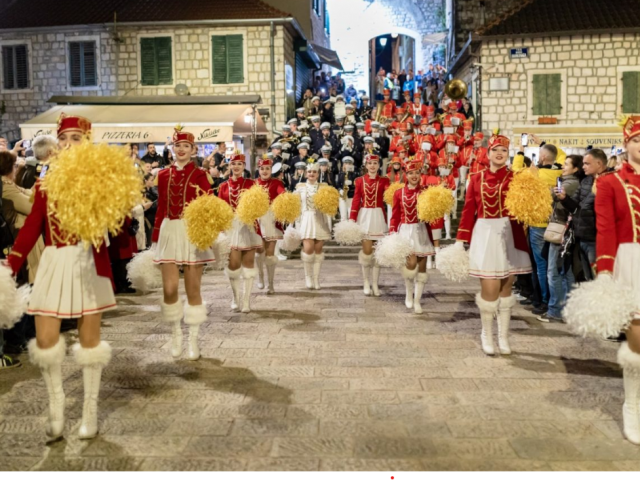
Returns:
<point x="219" y="59"/>
<point x="148" y="70"/>
<point x="554" y="94"/>
<point x="164" y="60"/>
<point x="630" y="92"/>
<point x="539" y="94"/>
<point x="235" y="59"/>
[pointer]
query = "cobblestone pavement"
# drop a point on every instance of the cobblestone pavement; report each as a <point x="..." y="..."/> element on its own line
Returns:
<point x="331" y="380"/>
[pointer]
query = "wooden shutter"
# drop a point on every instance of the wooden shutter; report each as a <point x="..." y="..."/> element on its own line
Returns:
<point x="554" y="94"/>
<point x="148" y="70"/>
<point x="235" y="59"/>
<point x="8" y="71"/>
<point x="83" y="67"/>
<point x="21" y="66"/>
<point x="219" y="58"/>
<point x="75" y="64"/>
<point x="539" y="94"/>
<point x="630" y="92"/>
<point x="164" y="60"/>
<point x="90" y="64"/>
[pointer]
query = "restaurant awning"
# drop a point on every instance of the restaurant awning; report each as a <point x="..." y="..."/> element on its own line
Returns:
<point x="151" y="123"/>
<point x="327" y="57"/>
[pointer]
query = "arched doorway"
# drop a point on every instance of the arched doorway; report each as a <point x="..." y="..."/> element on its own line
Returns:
<point x="391" y="52"/>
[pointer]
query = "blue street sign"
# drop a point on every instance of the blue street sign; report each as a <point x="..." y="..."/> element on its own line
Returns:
<point x="522" y="52"/>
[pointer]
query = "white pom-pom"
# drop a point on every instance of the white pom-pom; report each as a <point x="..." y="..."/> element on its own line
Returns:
<point x="221" y="250"/>
<point x="143" y="274"/>
<point x="392" y="251"/>
<point x="453" y="262"/>
<point x="348" y="233"/>
<point x="291" y="240"/>
<point x="13" y="300"/>
<point x="601" y="308"/>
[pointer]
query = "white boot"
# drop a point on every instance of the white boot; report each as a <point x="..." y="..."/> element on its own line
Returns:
<point x="249" y="275"/>
<point x="487" y="313"/>
<point x="92" y="360"/>
<point x="447" y="226"/>
<point x="630" y="363"/>
<point x="172" y="313"/>
<point x="194" y="316"/>
<point x="50" y="360"/>
<point x="375" y="279"/>
<point x="317" y="264"/>
<point x="270" y="263"/>
<point x="307" y="262"/>
<point x="409" y="276"/>
<point x="430" y="262"/>
<point x="259" y="264"/>
<point x="367" y="262"/>
<point x="504" y="318"/>
<point x="421" y="279"/>
<point x="234" y="280"/>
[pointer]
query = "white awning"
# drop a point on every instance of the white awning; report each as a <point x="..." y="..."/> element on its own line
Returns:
<point x="151" y="123"/>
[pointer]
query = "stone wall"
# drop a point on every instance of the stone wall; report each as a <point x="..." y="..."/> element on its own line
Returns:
<point x="119" y="68"/>
<point x="591" y="68"/>
<point x="356" y="22"/>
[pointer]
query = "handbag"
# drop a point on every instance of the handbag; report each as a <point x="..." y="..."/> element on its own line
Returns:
<point x="555" y="231"/>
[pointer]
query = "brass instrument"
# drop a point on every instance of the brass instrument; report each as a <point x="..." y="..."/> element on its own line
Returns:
<point x="456" y="89"/>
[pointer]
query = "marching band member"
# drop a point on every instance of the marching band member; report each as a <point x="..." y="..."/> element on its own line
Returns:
<point x="346" y="187"/>
<point x="71" y="282"/>
<point x="387" y="105"/>
<point x="243" y="239"/>
<point x="404" y="220"/>
<point x="498" y="245"/>
<point x="314" y="228"/>
<point x="617" y="208"/>
<point x="177" y="186"/>
<point x="475" y="157"/>
<point x="436" y="226"/>
<point x="449" y="156"/>
<point x="270" y="230"/>
<point x="465" y="140"/>
<point x="368" y="211"/>
<point x="298" y="175"/>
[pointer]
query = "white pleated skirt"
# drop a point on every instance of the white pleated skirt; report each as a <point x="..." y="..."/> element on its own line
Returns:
<point x="243" y="237"/>
<point x="373" y="223"/>
<point x="174" y="246"/>
<point x="418" y="235"/>
<point x="492" y="253"/>
<point x="627" y="269"/>
<point x="268" y="228"/>
<point x="314" y="225"/>
<point x="67" y="285"/>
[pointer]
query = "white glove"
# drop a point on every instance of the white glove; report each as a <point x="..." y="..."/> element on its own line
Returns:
<point x="459" y="246"/>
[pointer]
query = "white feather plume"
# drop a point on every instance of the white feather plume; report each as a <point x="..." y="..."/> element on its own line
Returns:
<point x="601" y="308"/>
<point x="453" y="262"/>
<point x="291" y="240"/>
<point x="13" y="300"/>
<point x="348" y="233"/>
<point x="143" y="274"/>
<point x="221" y="250"/>
<point x="392" y="251"/>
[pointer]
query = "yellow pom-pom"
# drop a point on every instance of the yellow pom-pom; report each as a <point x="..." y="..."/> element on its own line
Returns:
<point x="529" y="199"/>
<point x="327" y="200"/>
<point x="91" y="189"/>
<point x="390" y="192"/>
<point x="434" y="203"/>
<point x="253" y="204"/>
<point x="286" y="207"/>
<point x="205" y="217"/>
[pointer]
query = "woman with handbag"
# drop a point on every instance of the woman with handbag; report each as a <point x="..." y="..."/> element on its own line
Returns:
<point x="559" y="269"/>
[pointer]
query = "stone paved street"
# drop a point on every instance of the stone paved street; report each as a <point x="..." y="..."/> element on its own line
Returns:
<point x="331" y="380"/>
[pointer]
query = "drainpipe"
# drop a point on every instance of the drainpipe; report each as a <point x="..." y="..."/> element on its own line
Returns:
<point x="272" y="55"/>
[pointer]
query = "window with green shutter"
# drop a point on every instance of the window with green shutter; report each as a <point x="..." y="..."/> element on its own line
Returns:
<point x="15" y="67"/>
<point x="547" y="94"/>
<point x="156" y="66"/>
<point x="630" y="92"/>
<point x="83" y="66"/>
<point x="227" y="59"/>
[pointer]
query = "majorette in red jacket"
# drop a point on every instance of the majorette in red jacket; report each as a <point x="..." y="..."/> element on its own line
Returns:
<point x="369" y="193"/>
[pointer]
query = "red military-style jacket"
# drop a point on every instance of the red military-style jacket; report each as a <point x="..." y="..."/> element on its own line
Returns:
<point x="485" y="199"/>
<point x="398" y="141"/>
<point x="617" y="208"/>
<point x="474" y="158"/>
<point x="176" y="188"/>
<point x="369" y="193"/>
<point x="450" y="159"/>
<point x="395" y="177"/>
<point x="429" y="160"/>
<point x="459" y="116"/>
<point x="40" y="221"/>
<point x="420" y="109"/>
<point x="274" y="186"/>
<point x="427" y="181"/>
<point x="388" y="108"/>
<point x="405" y="209"/>
<point x="231" y="189"/>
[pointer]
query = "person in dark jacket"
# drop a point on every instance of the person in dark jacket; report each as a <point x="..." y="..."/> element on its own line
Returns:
<point x="44" y="146"/>
<point x="152" y="156"/>
<point x="581" y="206"/>
<point x="150" y="205"/>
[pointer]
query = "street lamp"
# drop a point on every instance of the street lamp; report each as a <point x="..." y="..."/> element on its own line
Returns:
<point x="383" y="42"/>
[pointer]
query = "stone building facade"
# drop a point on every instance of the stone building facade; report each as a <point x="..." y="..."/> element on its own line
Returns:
<point x="356" y="22"/>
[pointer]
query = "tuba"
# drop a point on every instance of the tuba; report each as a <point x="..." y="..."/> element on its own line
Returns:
<point x="456" y="89"/>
